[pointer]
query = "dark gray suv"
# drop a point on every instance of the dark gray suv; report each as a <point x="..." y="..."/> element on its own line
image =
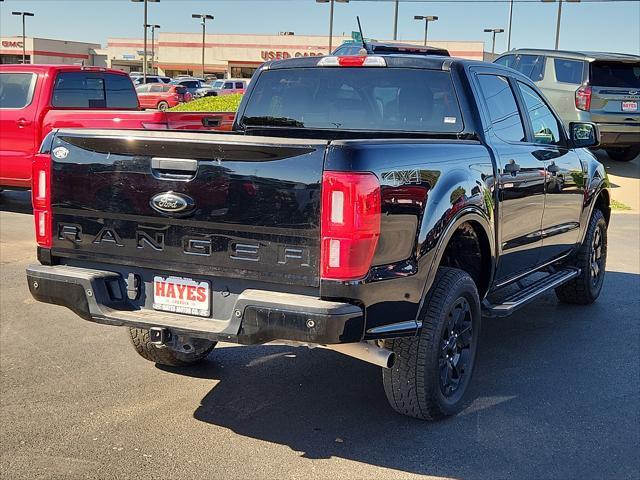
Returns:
<point x="598" y="87"/>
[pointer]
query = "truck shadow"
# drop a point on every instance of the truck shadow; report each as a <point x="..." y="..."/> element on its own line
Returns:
<point x="16" y="201"/>
<point x="546" y="399"/>
<point x="621" y="169"/>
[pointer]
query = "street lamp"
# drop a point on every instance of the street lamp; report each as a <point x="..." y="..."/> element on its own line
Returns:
<point x="24" y="44"/>
<point x="427" y="19"/>
<point x="153" y="46"/>
<point x="560" y="2"/>
<point x="203" y="17"/>
<point x="494" y="31"/>
<point x="331" y="2"/>
<point x="144" y="62"/>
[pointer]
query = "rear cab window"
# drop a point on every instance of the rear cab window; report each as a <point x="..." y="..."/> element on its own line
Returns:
<point x="615" y="74"/>
<point x="502" y="108"/>
<point x="369" y="99"/>
<point x="93" y="90"/>
<point x="16" y="89"/>
<point x="568" y="71"/>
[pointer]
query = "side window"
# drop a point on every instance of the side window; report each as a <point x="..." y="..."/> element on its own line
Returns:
<point x="503" y="108"/>
<point x="79" y="90"/>
<point x="568" y="71"/>
<point x="228" y="86"/>
<point x="530" y="65"/>
<point x="239" y="85"/>
<point x="155" y="88"/>
<point x="16" y="89"/>
<point x="120" y="92"/>
<point x="506" y="61"/>
<point x="543" y="122"/>
<point x="143" y="88"/>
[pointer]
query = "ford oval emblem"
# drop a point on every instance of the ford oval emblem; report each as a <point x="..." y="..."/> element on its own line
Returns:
<point x="171" y="203"/>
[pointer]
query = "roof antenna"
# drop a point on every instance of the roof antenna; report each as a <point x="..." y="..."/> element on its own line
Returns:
<point x="363" y="51"/>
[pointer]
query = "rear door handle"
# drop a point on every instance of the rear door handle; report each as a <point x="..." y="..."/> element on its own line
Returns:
<point x="23" y="122"/>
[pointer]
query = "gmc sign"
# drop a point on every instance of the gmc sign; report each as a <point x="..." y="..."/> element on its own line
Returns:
<point x="11" y="44"/>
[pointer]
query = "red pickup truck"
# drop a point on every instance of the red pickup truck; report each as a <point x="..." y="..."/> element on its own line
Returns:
<point x="35" y="99"/>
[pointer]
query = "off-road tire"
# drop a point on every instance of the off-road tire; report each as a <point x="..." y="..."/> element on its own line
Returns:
<point x="625" y="154"/>
<point x="165" y="355"/>
<point x="582" y="290"/>
<point x="163" y="106"/>
<point x="412" y="385"/>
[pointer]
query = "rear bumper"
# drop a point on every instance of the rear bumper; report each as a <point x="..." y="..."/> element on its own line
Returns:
<point x="259" y="316"/>
<point x="618" y="135"/>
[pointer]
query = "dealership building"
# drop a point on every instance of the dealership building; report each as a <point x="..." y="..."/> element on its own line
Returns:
<point x="236" y="55"/>
<point x="46" y="50"/>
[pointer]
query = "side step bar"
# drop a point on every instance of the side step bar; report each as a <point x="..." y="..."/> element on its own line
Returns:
<point x="524" y="295"/>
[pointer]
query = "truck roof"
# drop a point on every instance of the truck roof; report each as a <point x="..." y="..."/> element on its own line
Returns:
<point x="430" y="62"/>
<point x="577" y="55"/>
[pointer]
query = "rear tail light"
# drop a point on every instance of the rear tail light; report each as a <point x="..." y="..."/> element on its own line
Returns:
<point x="583" y="98"/>
<point x="350" y="224"/>
<point x="352" y="61"/>
<point x="41" y="198"/>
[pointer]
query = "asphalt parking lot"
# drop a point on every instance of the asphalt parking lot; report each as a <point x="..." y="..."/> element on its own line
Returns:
<point x="556" y="394"/>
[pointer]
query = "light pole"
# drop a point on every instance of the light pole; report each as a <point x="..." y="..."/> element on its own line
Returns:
<point x="203" y="17"/>
<point x="153" y="47"/>
<point x="144" y="61"/>
<point x="494" y="31"/>
<point x="510" y="19"/>
<point x="427" y="19"/>
<point x="395" y="19"/>
<point x="24" y="41"/>
<point x="331" y="2"/>
<point x="560" y="2"/>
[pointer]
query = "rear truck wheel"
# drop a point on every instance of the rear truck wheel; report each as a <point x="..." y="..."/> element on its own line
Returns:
<point x="180" y="352"/>
<point x="163" y="106"/>
<point x="623" y="154"/>
<point x="591" y="259"/>
<point x="432" y="371"/>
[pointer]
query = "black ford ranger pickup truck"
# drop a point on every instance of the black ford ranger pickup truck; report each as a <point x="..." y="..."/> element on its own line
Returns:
<point x="377" y="206"/>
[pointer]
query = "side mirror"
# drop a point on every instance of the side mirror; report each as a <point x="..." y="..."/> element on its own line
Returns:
<point x="584" y="135"/>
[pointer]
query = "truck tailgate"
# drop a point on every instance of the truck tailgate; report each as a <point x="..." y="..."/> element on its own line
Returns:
<point x="190" y="203"/>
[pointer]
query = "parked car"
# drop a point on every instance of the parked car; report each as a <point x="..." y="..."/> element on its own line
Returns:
<point x="382" y="48"/>
<point x="223" y="87"/>
<point x="35" y="99"/>
<point x="598" y="87"/>
<point x="191" y="84"/>
<point x="375" y="206"/>
<point x="162" y="96"/>
<point x="140" y="80"/>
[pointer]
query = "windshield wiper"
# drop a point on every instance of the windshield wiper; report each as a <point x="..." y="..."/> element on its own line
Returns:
<point x="268" y="121"/>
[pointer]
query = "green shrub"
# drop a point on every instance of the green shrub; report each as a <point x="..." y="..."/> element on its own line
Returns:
<point x="225" y="103"/>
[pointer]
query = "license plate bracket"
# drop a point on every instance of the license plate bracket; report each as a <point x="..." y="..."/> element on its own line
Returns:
<point x="629" y="106"/>
<point x="182" y="295"/>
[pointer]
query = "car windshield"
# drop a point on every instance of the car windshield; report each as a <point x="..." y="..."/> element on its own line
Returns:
<point x="615" y="74"/>
<point x="376" y="99"/>
<point x="218" y="84"/>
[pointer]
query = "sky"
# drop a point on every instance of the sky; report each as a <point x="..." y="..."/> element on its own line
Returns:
<point x="589" y="25"/>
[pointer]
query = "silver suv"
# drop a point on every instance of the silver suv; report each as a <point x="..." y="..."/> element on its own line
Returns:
<point x="603" y="88"/>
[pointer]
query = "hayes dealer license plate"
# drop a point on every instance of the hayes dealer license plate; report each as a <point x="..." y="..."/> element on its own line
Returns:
<point x="629" y="106"/>
<point x="182" y="295"/>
